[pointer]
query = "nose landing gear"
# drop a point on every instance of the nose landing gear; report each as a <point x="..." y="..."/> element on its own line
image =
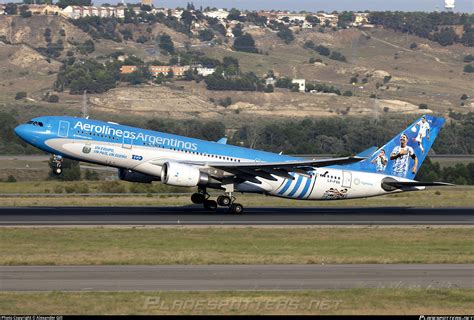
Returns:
<point x="57" y="162"/>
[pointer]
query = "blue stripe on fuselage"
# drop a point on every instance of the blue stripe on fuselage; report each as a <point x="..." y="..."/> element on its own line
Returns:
<point x="306" y="187"/>
<point x="286" y="186"/>
<point x="296" y="187"/>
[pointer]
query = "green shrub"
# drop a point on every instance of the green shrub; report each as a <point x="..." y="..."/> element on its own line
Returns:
<point x="54" y="98"/>
<point x="58" y="188"/>
<point x="112" y="187"/>
<point x="20" y="95"/>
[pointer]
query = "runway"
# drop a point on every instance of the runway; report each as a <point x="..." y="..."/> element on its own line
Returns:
<point x="195" y="215"/>
<point x="234" y="277"/>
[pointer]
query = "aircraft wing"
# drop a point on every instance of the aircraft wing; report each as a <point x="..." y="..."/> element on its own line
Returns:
<point x="250" y="170"/>
<point x="267" y="170"/>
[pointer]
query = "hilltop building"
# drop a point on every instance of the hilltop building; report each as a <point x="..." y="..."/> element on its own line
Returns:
<point x="76" y="12"/>
<point x="146" y="3"/>
<point x="301" y="84"/>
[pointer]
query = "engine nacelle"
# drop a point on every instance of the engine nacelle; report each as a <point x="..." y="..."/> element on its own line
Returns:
<point x="182" y="175"/>
<point x="134" y="176"/>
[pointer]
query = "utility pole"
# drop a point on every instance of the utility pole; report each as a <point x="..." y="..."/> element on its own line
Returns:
<point x="85" y="113"/>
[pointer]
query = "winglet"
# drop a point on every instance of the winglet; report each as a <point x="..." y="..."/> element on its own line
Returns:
<point x="222" y="140"/>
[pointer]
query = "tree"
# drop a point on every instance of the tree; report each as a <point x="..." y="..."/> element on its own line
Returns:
<point x="312" y="19"/>
<point x="206" y="35"/>
<point x="166" y="44"/>
<point x="322" y="50"/>
<point x="309" y="44"/>
<point x="20" y="95"/>
<point x="53" y="98"/>
<point x="231" y="65"/>
<point x="464" y="97"/>
<point x="422" y="106"/>
<point x="187" y="18"/>
<point x="237" y="30"/>
<point x="284" y="83"/>
<point x="234" y="14"/>
<point x="24" y="12"/>
<point x="286" y="35"/>
<point x="336" y="55"/>
<point x="11" y="9"/>
<point x="87" y="47"/>
<point x="446" y="37"/>
<point x="269" y="88"/>
<point x="245" y="43"/>
<point x="469" y="58"/>
<point x="413" y="46"/>
<point x="347" y="93"/>
<point x="64" y="3"/>
<point x="469" y="68"/>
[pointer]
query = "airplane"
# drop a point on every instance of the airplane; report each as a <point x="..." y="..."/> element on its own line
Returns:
<point x="145" y="156"/>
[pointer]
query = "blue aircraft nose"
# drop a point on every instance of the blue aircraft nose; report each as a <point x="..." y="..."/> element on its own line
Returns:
<point x="20" y="130"/>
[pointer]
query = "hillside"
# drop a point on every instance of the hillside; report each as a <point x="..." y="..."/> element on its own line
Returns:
<point x="429" y="74"/>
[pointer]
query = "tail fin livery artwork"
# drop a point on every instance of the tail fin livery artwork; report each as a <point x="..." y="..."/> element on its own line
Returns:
<point x="145" y="156"/>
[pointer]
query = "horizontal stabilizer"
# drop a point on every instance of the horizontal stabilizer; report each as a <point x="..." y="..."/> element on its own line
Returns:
<point x="390" y="184"/>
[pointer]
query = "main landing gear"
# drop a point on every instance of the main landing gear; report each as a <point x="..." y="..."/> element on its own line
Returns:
<point x="202" y="197"/>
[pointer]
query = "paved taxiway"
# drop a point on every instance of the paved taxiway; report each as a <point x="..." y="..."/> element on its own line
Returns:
<point x="234" y="277"/>
<point x="195" y="215"/>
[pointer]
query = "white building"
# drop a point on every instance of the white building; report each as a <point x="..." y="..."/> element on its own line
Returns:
<point x="203" y="71"/>
<point x="301" y="84"/>
<point x="219" y="14"/>
<point x="449" y="5"/>
<point x="331" y="19"/>
<point x="291" y="17"/>
<point x="360" y="18"/>
<point x="76" y="12"/>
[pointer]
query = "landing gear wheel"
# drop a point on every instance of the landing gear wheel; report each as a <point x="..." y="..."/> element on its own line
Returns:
<point x="198" y="198"/>
<point x="57" y="171"/>
<point x="224" y="201"/>
<point x="236" y="208"/>
<point x="210" y="205"/>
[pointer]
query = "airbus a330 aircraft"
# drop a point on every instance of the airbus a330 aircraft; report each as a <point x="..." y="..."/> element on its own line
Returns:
<point x="145" y="156"/>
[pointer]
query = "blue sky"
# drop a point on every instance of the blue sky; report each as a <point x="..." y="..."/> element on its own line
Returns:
<point x="315" y="5"/>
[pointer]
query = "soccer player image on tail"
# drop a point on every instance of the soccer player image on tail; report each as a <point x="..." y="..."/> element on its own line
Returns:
<point x="402" y="154"/>
<point x="381" y="161"/>
<point x="423" y="132"/>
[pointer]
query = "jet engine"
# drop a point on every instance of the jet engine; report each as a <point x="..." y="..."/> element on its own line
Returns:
<point x="182" y="175"/>
<point x="134" y="176"/>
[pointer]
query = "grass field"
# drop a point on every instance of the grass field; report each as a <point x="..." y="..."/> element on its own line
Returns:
<point x="354" y="301"/>
<point x="459" y="196"/>
<point x="248" y="245"/>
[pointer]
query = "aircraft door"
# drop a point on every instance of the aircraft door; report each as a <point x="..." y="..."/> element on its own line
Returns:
<point x="346" y="179"/>
<point x="63" y="129"/>
<point x="127" y="143"/>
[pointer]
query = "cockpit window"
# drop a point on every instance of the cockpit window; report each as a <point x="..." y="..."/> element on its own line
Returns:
<point x="35" y="123"/>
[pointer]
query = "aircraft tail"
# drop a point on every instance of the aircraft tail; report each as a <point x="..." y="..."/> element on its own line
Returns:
<point x="403" y="155"/>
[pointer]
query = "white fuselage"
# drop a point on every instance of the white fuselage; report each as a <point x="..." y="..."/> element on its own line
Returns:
<point x="326" y="183"/>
